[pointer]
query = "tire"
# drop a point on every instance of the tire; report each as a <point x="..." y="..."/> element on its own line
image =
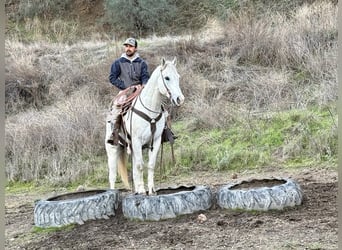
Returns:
<point x="284" y="193"/>
<point x="76" y="207"/>
<point x="168" y="203"/>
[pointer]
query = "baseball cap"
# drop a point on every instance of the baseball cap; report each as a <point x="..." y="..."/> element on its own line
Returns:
<point x="131" y="41"/>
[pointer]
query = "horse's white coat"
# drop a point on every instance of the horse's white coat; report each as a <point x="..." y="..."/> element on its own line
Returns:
<point x="163" y="81"/>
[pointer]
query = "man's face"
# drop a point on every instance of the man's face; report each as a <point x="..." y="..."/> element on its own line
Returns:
<point x="130" y="50"/>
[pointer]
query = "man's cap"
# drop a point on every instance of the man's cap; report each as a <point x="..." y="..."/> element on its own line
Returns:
<point x="131" y="41"/>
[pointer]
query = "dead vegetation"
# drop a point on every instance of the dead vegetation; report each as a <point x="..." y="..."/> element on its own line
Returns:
<point x="57" y="93"/>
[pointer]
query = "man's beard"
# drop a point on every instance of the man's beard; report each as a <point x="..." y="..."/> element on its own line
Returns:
<point x="130" y="53"/>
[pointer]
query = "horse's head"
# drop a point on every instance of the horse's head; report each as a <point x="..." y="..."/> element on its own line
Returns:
<point x="169" y="82"/>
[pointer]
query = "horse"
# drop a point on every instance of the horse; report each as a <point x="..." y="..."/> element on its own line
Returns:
<point x="142" y="127"/>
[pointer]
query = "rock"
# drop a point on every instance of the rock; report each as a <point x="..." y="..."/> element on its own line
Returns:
<point x="201" y="218"/>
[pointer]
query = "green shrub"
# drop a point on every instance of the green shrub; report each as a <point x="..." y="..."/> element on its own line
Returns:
<point x="139" y="17"/>
<point x="146" y="17"/>
<point x="45" y="9"/>
<point x="285" y="138"/>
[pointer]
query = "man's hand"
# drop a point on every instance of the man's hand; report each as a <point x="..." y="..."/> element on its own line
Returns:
<point x="137" y="83"/>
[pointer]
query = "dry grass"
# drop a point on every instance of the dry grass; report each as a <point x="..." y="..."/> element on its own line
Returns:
<point x="41" y="73"/>
<point x="56" y="98"/>
<point x="277" y="40"/>
<point x="57" y="94"/>
<point x="58" y="143"/>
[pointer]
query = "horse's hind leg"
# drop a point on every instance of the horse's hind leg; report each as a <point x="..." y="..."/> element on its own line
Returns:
<point x="112" y="154"/>
<point x="112" y="157"/>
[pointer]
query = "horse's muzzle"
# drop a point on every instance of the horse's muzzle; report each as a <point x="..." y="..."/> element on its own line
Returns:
<point x="179" y="100"/>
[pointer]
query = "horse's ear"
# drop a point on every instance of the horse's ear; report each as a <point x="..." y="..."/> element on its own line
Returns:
<point x="163" y="62"/>
<point x="174" y="61"/>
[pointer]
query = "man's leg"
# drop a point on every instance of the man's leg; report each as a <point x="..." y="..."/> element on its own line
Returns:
<point x="116" y="118"/>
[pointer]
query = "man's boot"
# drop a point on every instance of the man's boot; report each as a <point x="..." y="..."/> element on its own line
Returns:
<point x="114" y="137"/>
<point x="111" y="139"/>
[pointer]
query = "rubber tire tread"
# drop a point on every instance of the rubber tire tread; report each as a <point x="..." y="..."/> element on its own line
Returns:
<point x="57" y="213"/>
<point x="161" y="207"/>
<point x="288" y="194"/>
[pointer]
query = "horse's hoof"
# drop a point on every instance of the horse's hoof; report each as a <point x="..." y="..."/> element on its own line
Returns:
<point x="141" y="193"/>
<point x="152" y="192"/>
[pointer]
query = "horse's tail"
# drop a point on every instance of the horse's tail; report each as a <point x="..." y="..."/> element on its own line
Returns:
<point x="122" y="169"/>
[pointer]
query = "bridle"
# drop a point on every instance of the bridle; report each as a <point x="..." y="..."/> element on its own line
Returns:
<point x="167" y="89"/>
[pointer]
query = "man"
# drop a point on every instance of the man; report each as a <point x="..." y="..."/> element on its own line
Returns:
<point x="130" y="69"/>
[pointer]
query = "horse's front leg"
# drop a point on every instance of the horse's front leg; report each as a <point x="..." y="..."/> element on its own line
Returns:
<point x="138" y="170"/>
<point x="152" y="159"/>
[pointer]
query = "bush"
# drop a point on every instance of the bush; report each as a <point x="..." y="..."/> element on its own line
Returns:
<point x="139" y="17"/>
<point x="146" y="17"/>
<point x="45" y="9"/>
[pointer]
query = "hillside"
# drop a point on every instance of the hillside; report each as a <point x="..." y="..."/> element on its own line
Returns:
<point x="260" y="89"/>
<point x="93" y="16"/>
<point x="260" y="84"/>
<point x="87" y="12"/>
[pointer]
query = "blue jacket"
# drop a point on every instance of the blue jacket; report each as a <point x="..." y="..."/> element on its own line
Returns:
<point x="125" y="73"/>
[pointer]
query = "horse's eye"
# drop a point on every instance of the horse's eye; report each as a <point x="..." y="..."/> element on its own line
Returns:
<point x="167" y="78"/>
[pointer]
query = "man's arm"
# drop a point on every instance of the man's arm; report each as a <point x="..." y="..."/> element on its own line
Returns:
<point x="144" y="73"/>
<point x="114" y="76"/>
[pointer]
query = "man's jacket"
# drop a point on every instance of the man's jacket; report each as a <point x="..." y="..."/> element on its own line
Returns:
<point x="125" y="73"/>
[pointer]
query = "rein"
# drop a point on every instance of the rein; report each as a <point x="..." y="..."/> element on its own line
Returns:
<point x="147" y="107"/>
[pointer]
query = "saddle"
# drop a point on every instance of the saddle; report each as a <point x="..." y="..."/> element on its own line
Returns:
<point x="124" y="101"/>
<point x="125" y="98"/>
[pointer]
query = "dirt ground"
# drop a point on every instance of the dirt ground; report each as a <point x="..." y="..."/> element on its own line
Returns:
<point x="312" y="225"/>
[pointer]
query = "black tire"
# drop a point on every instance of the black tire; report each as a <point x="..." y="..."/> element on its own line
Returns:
<point x="76" y="207"/>
<point x="282" y="193"/>
<point x="168" y="203"/>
